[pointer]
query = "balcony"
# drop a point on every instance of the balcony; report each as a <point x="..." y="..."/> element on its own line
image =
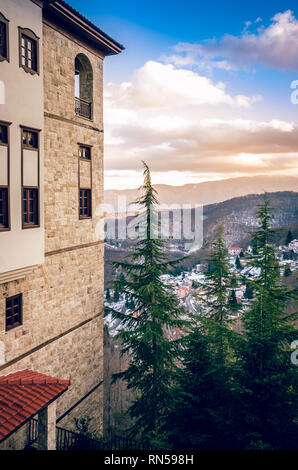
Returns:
<point x="69" y="440"/>
<point x="83" y="108"/>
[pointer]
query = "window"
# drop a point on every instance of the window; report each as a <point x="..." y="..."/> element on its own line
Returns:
<point x="28" y="51"/>
<point x="3" y="134"/>
<point x="30" y="177"/>
<point x="83" y="86"/>
<point x="30" y="206"/>
<point x="13" y="311"/>
<point x="3" y="208"/>
<point x="4" y="41"/>
<point x="85" y="203"/>
<point x="30" y="139"/>
<point x="4" y="176"/>
<point x="85" y="181"/>
<point x="85" y="152"/>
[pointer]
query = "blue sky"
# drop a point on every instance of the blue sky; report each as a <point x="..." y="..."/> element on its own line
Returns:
<point x="191" y="36"/>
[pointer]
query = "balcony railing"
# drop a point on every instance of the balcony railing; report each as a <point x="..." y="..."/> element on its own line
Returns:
<point x="69" y="440"/>
<point x="83" y="108"/>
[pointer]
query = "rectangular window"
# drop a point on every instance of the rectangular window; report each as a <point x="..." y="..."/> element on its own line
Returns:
<point x="3" y="134"/>
<point x="85" y="203"/>
<point x="28" y="50"/>
<point x="13" y="311"/>
<point x="85" y="152"/>
<point x="3" y="208"/>
<point x="29" y="53"/>
<point x="3" y="42"/>
<point x="30" y="177"/>
<point x="30" y="139"/>
<point x="4" y="177"/>
<point x="30" y="206"/>
<point x="4" y="46"/>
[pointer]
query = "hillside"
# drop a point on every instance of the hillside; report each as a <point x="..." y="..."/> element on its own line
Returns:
<point x="237" y="216"/>
<point x="210" y="192"/>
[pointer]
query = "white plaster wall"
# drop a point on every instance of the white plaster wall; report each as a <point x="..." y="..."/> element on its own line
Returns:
<point x="23" y="105"/>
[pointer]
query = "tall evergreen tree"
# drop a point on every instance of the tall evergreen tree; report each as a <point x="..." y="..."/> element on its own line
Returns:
<point x="233" y="300"/>
<point x="248" y="294"/>
<point x="202" y="414"/>
<point x="289" y="237"/>
<point x="199" y="417"/>
<point x="116" y="295"/>
<point x="145" y="334"/>
<point x="219" y="280"/>
<point x="238" y="263"/>
<point x="267" y="395"/>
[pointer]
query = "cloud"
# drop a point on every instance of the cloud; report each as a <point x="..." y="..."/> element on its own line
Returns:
<point x="160" y="117"/>
<point x="274" y="46"/>
<point x="159" y="84"/>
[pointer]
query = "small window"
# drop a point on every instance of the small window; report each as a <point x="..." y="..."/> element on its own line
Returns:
<point x="85" y="203"/>
<point x="30" y="139"/>
<point x="30" y="207"/>
<point x="85" y="152"/>
<point x="3" y="38"/>
<point x="13" y="311"/>
<point x="28" y="50"/>
<point x="3" y="208"/>
<point x="3" y="134"/>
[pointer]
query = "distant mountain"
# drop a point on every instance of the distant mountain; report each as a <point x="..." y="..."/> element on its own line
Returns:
<point x="210" y="192"/>
<point x="237" y="216"/>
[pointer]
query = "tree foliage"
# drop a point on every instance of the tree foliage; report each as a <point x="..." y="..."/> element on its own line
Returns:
<point x="146" y="333"/>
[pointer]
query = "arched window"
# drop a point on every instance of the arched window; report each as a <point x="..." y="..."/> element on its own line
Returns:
<point x="83" y="86"/>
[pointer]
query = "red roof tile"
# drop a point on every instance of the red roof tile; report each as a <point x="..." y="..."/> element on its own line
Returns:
<point x="23" y="394"/>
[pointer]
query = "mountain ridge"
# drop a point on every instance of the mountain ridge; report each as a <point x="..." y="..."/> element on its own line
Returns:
<point x="210" y="192"/>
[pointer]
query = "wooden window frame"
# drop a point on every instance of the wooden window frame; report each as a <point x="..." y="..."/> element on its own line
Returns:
<point x="6" y="228"/>
<point x="29" y="34"/>
<point x="36" y="224"/>
<point x="20" y="315"/>
<point x="85" y="147"/>
<point x="89" y="160"/>
<point x="89" y="205"/>
<point x="5" y="21"/>
<point x="35" y="212"/>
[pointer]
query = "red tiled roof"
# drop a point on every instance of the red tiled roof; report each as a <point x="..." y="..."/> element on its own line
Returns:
<point x="23" y="394"/>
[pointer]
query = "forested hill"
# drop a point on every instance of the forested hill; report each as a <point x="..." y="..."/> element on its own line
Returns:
<point x="237" y="216"/>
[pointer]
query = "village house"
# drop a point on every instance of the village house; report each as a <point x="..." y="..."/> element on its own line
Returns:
<point x="234" y="250"/>
<point x="51" y="250"/>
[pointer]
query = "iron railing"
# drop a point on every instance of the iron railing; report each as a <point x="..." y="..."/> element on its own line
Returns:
<point x="83" y="108"/>
<point x="69" y="440"/>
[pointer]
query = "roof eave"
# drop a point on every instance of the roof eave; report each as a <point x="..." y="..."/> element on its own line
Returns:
<point x="80" y="24"/>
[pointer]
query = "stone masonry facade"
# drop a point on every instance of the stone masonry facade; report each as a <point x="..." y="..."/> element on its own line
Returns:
<point x="62" y="330"/>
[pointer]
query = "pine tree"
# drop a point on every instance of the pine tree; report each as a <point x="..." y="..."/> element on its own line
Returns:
<point x="202" y="414"/>
<point x="287" y="271"/>
<point x="199" y="417"/>
<point x="108" y="295"/>
<point x="267" y="394"/>
<point x="238" y="263"/>
<point x="233" y="301"/>
<point x="116" y="295"/>
<point x="289" y="237"/>
<point x="217" y="318"/>
<point x="248" y="294"/>
<point x="144" y="336"/>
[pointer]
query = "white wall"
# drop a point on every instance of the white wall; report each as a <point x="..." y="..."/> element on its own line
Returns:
<point x="23" y="105"/>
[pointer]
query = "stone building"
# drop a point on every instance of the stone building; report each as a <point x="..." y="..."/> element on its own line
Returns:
<point x="51" y="190"/>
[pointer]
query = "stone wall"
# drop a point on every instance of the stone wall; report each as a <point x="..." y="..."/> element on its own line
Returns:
<point x="63" y="298"/>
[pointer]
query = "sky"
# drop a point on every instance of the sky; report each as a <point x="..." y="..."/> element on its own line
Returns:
<point x="203" y="90"/>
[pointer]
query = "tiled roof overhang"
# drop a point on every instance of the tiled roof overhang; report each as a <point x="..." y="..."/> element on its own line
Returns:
<point x="61" y="13"/>
<point x="22" y="395"/>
